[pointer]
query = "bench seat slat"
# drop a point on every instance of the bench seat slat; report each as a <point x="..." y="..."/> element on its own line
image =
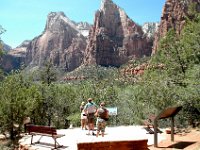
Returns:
<point x="50" y="135"/>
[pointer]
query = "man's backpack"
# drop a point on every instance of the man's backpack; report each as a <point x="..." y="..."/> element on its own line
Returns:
<point x="91" y="109"/>
<point x="104" y="115"/>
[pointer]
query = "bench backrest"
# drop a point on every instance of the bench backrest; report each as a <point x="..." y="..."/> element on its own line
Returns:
<point x="42" y="129"/>
<point x="114" y="145"/>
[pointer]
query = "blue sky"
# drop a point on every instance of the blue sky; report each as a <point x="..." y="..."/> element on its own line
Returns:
<point x="25" y="19"/>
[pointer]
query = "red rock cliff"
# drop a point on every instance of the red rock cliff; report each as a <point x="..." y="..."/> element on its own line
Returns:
<point x="173" y="16"/>
<point x="61" y="42"/>
<point x="114" y="38"/>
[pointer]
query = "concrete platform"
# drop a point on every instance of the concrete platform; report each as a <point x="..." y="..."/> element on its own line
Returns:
<point x="76" y="135"/>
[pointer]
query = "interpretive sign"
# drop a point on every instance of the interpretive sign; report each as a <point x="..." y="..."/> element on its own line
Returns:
<point x="112" y="111"/>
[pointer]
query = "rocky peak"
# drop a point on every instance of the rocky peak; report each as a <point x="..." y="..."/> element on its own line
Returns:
<point x="149" y="28"/>
<point x="20" y="51"/>
<point x="114" y="38"/>
<point x="106" y="4"/>
<point x="84" y="28"/>
<point x="58" y="22"/>
<point x="61" y="43"/>
<point x="24" y="44"/>
<point x="113" y="16"/>
<point x="83" y="25"/>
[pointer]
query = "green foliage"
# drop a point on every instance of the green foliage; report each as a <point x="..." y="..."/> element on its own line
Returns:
<point x="1" y="75"/>
<point x="1" y="52"/>
<point x="171" y="55"/>
<point x="2" y="30"/>
<point x="64" y="102"/>
<point x="74" y="119"/>
<point x="48" y="74"/>
<point x="1" y="49"/>
<point x="192" y="11"/>
<point x="129" y="105"/>
<point x="17" y="97"/>
<point x="190" y="41"/>
<point x="2" y="147"/>
<point x="178" y="82"/>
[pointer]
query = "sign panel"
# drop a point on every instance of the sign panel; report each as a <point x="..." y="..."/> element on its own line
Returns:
<point x="112" y="111"/>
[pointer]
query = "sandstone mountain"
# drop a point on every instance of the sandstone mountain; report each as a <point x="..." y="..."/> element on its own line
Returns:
<point x="173" y="16"/>
<point x="62" y="43"/>
<point x="114" y="38"/>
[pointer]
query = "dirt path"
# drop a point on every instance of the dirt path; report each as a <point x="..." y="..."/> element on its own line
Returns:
<point x="185" y="141"/>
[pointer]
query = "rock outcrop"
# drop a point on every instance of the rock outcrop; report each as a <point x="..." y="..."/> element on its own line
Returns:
<point x="114" y="38"/>
<point x="84" y="28"/>
<point x="150" y="28"/>
<point x="20" y="51"/>
<point x="173" y="16"/>
<point x="61" y="43"/>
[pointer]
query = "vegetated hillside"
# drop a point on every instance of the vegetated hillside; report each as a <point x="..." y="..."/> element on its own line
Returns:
<point x="179" y="81"/>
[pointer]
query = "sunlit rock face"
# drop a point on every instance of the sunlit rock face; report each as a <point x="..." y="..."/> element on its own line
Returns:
<point x="84" y="28"/>
<point x="61" y="42"/>
<point x="150" y="28"/>
<point x="114" y="38"/>
<point x="174" y="15"/>
<point x="20" y="51"/>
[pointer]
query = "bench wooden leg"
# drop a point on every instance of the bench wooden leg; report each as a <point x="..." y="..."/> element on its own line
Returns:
<point x="31" y="139"/>
<point x="56" y="144"/>
<point x="39" y="140"/>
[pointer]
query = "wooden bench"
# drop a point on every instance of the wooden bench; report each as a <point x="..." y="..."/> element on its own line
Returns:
<point x="44" y="131"/>
<point x="114" y="145"/>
